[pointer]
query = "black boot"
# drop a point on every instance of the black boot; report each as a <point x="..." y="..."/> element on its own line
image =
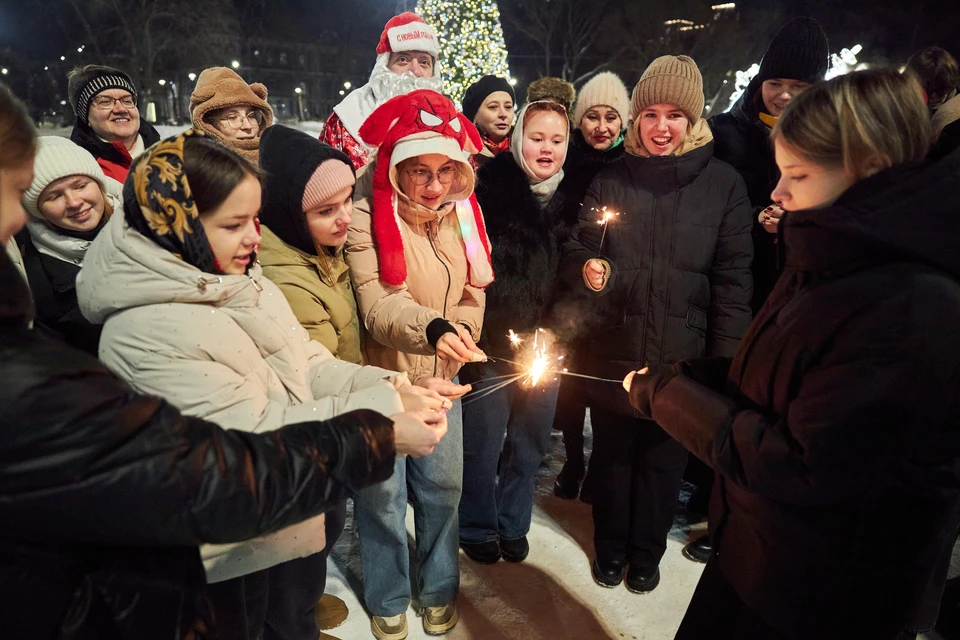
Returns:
<point x="568" y="481"/>
<point x="515" y="550"/>
<point x="482" y="552"/>
<point x="586" y="491"/>
<point x="699" y="550"/>
<point x="607" y="574"/>
<point x="642" y="579"/>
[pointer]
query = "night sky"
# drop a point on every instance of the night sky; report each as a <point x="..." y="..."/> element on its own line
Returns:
<point x="889" y="29"/>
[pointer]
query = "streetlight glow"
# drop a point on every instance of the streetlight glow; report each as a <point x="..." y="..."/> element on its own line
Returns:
<point x="297" y="90"/>
<point x="342" y="92"/>
<point x="192" y="76"/>
<point x="162" y="82"/>
<point x="235" y="64"/>
<point x="62" y="58"/>
<point x="347" y="85"/>
<point x="513" y="82"/>
<point x="4" y="71"/>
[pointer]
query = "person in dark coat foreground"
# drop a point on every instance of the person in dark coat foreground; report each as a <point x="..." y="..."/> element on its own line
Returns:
<point x="833" y="431"/>
<point x="672" y="281"/>
<point x="105" y="494"/>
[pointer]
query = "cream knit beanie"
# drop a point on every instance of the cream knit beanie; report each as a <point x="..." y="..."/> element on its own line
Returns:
<point x="603" y="89"/>
<point x="670" y="80"/>
<point x="58" y="158"/>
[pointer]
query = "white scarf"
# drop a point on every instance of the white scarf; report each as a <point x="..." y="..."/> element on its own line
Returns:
<point x="384" y="84"/>
<point x="542" y="189"/>
<point x="57" y="245"/>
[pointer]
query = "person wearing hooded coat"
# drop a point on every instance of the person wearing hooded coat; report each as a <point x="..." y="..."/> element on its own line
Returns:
<point x="228" y="109"/>
<point x="114" y="133"/>
<point x="69" y="202"/>
<point x="833" y="430"/>
<point x="301" y="174"/>
<point x="506" y="433"/>
<point x="106" y="493"/>
<point x="222" y="345"/>
<point x="672" y="282"/>
<point x="600" y="119"/>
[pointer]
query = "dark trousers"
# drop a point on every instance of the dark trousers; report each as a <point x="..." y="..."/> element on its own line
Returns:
<point x="239" y="606"/>
<point x="569" y="418"/>
<point x="510" y="426"/>
<point x="296" y="587"/>
<point x="637" y="471"/>
<point x="701" y="476"/>
<point x="716" y="612"/>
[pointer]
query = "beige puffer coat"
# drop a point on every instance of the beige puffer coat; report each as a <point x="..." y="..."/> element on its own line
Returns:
<point x="436" y="285"/>
<point x="225" y="348"/>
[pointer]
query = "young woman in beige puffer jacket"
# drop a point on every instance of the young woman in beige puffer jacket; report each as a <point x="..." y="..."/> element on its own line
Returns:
<point x="189" y="317"/>
<point x="419" y="259"/>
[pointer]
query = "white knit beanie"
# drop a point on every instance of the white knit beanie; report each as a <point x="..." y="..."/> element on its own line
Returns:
<point x="58" y="158"/>
<point x="603" y="89"/>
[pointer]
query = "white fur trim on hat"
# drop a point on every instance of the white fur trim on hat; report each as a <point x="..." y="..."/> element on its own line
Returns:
<point x="414" y="36"/>
<point x="58" y="158"/>
<point x="426" y="143"/>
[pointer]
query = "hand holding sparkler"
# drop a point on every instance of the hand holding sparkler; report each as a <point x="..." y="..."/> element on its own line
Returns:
<point x="459" y="347"/>
<point x="595" y="274"/>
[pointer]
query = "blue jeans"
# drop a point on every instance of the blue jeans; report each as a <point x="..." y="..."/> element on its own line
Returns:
<point x="510" y="426"/>
<point x="435" y="482"/>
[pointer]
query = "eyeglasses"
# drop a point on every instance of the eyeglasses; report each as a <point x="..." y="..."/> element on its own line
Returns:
<point x="422" y="177"/>
<point x="106" y="103"/>
<point x="236" y="120"/>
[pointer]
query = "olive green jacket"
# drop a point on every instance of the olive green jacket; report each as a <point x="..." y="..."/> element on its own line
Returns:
<point x="324" y="304"/>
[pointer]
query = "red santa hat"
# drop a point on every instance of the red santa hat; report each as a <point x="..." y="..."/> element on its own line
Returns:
<point x="408" y="32"/>
<point x="413" y="124"/>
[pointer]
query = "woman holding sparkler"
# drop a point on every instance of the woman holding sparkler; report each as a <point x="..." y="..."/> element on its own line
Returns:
<point x="600" y="125"/>
<point x="672" y="281"/>
<point x="419" y="258"/>
<point x="833" y="429"/>
<point x="523" y="192"/>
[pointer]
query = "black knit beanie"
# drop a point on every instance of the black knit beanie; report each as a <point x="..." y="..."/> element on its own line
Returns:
<point x="798" y="52"/>
<point x="478" y="92"/>
<point x="83" y="84"/>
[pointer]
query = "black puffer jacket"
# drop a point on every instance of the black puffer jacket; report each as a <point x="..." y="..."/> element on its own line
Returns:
<point x="837" y="442"/>
<point x="114" y="162"/>
<point x="582" y="165"/>
<point x="105" y="494"/>
<point x="743" y="141"/>
<point x="524" y="249"/>
<point x="54" y="289"/>
<point x="680" y="254"/>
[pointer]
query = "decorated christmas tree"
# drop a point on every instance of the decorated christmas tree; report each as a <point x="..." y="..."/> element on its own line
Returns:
<point x="471" y="41"/>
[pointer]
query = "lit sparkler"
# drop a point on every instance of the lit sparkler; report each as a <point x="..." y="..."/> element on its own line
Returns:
<point x="515" y="340"/>
<point x="605" y="218"/>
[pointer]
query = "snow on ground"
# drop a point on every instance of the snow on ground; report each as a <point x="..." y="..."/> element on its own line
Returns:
<point x="551" y="595"/>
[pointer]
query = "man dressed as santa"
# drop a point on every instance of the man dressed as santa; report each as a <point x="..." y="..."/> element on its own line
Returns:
<point x="407" y="59"/>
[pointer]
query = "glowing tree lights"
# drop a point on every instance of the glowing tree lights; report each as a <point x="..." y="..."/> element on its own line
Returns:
<point x="471" y="41"/>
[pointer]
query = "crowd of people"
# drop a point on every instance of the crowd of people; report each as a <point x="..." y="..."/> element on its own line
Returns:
<point x="210" y="342"/>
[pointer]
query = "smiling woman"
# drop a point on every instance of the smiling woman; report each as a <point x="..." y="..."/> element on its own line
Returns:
<point x="228" y="109"/>
<point x="69" y="201"/>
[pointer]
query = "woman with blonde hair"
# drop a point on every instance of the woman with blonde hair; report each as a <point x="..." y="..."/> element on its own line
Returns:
<point x="833" y="429"/>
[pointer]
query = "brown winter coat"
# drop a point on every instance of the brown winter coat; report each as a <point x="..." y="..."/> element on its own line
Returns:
<point x="436" y="285"/>
<point x="320" y="295"/>
<point x="220" y="87"/>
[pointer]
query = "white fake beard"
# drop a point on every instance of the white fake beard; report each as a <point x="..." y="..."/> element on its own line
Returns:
<point x="386" y="84"/>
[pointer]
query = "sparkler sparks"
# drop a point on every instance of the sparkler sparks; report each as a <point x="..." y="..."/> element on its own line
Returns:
<point x="605" y="217"/>
<point x="515" y="340"/>
<point x="541" y="360"/>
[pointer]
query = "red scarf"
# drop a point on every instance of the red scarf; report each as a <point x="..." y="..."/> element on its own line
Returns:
<point x="495" y="147"/>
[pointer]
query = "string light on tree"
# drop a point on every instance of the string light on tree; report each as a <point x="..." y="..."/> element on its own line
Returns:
<point x="471" y="41"/>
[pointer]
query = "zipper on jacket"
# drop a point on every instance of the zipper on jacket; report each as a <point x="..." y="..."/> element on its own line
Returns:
<point x="255" y="283"/>
<point x="203" y="281"/>
<point x="446" y="296"/>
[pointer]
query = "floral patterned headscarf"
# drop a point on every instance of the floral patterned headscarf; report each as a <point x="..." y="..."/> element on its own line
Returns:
<point x="158" y="202"/>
